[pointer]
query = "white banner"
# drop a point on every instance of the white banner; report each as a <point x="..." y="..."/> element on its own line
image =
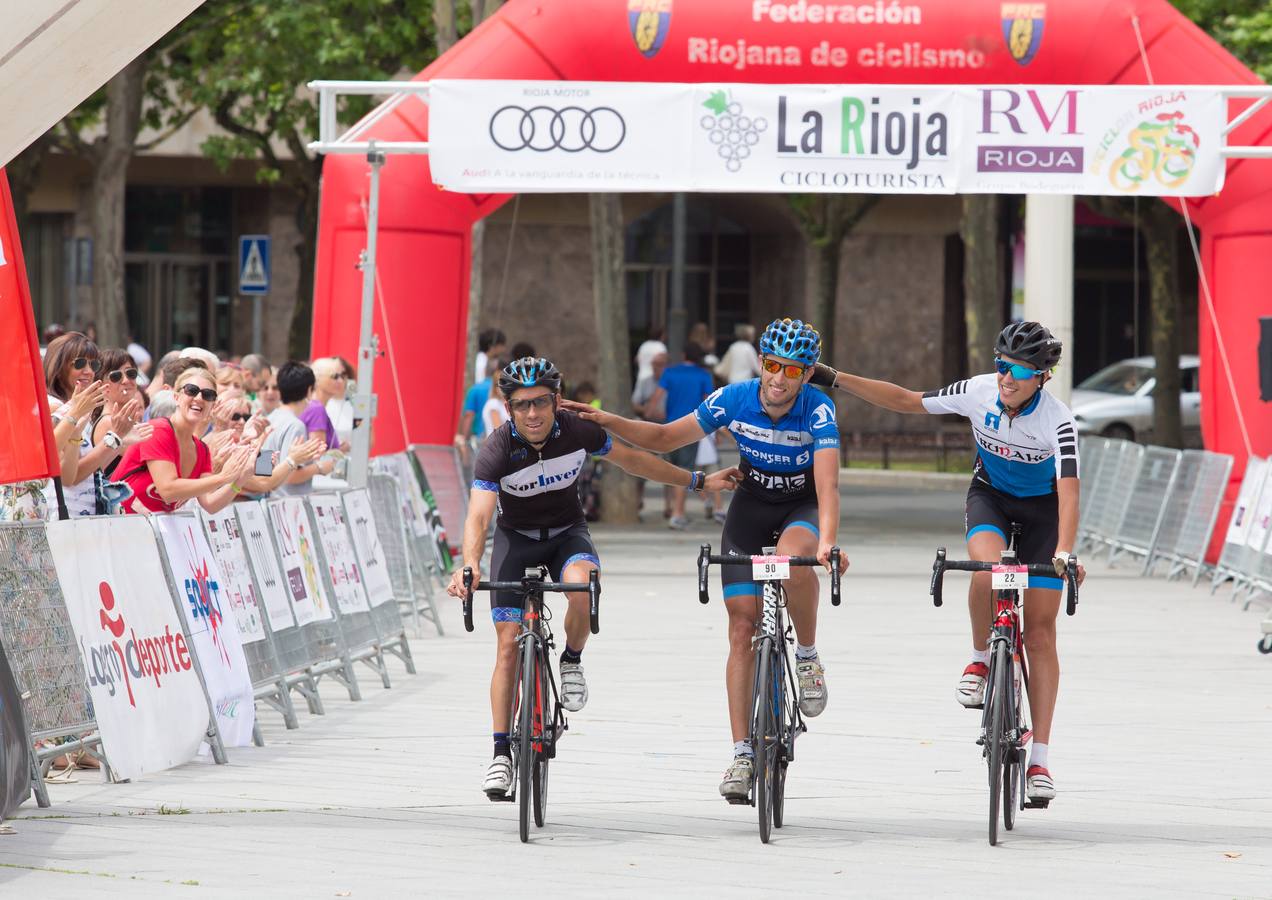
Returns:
<point x="342" y="559"/>
<point x="146" y="695"/>
<point x="236" y="578"/>
<point x="415" y="511"/>
<point x="214" y="637"/>
<point x="366" y="541"/>
<point x="522" y="137"/>
<point x="299" y="557"/>
<point x="254" y="528"/>
<point x="1260" y="514"/>
<point x="1239" y="524"/>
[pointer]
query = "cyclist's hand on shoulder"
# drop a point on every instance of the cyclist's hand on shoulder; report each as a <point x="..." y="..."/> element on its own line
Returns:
<point x="823" y="556"/>
<point x="724" y="480"/>
<point x="586" y="411"/>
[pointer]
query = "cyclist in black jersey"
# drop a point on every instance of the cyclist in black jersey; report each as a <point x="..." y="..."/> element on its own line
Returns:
<point x="528" y="470"/>
<point x="788" y="441"/>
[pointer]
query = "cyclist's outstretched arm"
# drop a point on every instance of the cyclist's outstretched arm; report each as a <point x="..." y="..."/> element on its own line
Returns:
<point x="481" y="508"/>
<point x="650" y="435"/>
<point x="880" y="393"/>
<point x="646" y="465"/>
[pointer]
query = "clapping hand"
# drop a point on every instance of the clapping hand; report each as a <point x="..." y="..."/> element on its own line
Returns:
<point x="303" y="452"/>
<point x="84" y="400"/>
<point x="123" y="419"/>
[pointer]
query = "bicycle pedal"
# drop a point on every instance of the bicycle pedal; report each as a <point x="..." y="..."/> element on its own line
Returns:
<point x="738" y="801"/>
<point x="501" y="798"/>
<point x="1037" y="804"/>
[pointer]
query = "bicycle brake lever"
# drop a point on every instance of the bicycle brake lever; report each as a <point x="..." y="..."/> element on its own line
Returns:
<point x="704" y="554"/>
<point x="594" y="600"/>
<point x="468" y="598"/>
<point x="938" y="571"/>
<point x="835" y="598"/>
<point x="1071" y="574"/>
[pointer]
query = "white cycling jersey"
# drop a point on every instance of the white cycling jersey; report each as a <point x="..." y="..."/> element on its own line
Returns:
<point x="1022" y="456"/>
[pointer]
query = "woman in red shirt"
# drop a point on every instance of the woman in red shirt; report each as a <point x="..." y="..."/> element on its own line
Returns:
<point x="173" y="465"/>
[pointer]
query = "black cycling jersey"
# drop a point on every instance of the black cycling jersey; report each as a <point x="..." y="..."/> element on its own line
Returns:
<point x="538" y="488"/>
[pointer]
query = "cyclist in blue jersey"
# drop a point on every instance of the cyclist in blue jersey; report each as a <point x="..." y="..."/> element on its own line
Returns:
<point x="789" y="445"/>
<point x="1026" y="471"/>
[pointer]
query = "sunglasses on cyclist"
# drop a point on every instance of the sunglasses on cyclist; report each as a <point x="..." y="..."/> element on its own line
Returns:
<point x="790" y="370"/>
<point x="83" y="362"/>
<point x="1018" y="372"/>
<point x="192" y="391"/>
<point x="120" y="374"/>
<point x="540" y="403"/>
<point x="240" y="417"/>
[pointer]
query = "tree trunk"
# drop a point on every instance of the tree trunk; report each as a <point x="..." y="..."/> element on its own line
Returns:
<point x="24" y="173"/>
<point x="1161" y="230"/>
<point x="444" y="24"/>
<point x="982" y="278"/>
<point x="474" y="297"/>
<point x="821" y="275"/>
<point x="111" y="154"/>
<point x="306" y="187"/>
<point x="618" y="489"/>
<point x="483" y="11"/>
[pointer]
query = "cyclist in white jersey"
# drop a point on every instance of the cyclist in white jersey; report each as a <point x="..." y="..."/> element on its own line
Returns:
<point x="1026" y="471"/>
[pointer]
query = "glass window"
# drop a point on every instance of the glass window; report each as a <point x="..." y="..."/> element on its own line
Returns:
<point x="177" y="220"/>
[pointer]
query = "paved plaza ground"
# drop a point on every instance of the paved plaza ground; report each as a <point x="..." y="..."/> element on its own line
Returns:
<point x="1162" y="754"/>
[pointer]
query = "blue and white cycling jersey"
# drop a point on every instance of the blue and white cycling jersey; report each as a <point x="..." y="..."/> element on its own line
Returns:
<point x="1021" y="456"/>
<point x="776" y="456"/>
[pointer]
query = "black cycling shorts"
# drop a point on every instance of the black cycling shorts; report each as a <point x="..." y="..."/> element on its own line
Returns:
<point x="514" y="552"/>
<point x="753" y="524"/>
<point x="1039" y="517"/>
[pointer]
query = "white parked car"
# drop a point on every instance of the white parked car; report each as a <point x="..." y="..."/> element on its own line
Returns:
<point x="1117" y="401"/>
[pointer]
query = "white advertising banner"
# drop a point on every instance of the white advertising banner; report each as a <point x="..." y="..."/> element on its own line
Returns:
<point x="146" y="694"/>
<point x="366" y="541"/>
<point x="1260" y="514"/>
<point x="213" y="634"/>
<point x="415" y="511"/>
<point x="342" y="559"/>
<point x="1239" y="524"/>
<point x="520" y="136"/>
<point x="298" y="554"/>
<point x="236" y="584"/>
<point x="254" y="527"/>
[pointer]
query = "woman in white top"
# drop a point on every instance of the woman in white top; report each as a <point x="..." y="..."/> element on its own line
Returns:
<point x="741" y="362"/>
<point x="495" y="412"/>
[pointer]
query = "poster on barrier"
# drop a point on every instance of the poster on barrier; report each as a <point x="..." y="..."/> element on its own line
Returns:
<point x="366" y="541"/>
<point x="227" y="547"/>
<point x="214" y="639"/>
<point x="337" y="547"/>
<point x="441" y="479"/>
<point x="1239" y="524"/>
<point x="1260" y="514"/>
<point x="415" y="511"/>
<point x="254" y="528"/>
<point x="147" y="699"/>
<point x="299" y="557"/>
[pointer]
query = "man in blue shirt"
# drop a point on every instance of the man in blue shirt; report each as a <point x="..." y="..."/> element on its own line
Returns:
<point x="471" y="424"/>
<point x="680" y="390"/>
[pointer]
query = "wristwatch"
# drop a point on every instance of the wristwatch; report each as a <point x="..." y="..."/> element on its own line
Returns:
<point x="112" y="440"/>
<point x="698" y="480"/>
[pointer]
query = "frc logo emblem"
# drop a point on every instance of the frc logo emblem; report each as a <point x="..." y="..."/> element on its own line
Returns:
<point x="1022" y="29"/>
<point x="649" y="21"/>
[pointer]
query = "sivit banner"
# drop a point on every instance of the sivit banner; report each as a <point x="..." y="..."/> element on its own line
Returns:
<point x="236" y="585"/>
<point x="342" y="559"/>
<point x="146" y="694"/>
<point x="299" y="557"/>
<point x="254" y="528"/>
<point x="366" y="541"/>
<point x="517" y="136"/>
<point x="214" y="638"/>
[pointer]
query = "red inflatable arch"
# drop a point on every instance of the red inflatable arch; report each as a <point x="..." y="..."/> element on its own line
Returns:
<point x="424" y="232"/>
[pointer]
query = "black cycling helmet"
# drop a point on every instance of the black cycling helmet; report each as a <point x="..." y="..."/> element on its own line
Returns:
<point x="529" y="371"/>
<point x="1029" y="342"/>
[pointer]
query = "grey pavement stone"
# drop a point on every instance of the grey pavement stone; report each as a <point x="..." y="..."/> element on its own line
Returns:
<point x="1160" y="754"/>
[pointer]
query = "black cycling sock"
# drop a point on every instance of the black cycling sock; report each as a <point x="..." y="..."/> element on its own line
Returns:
<point x="571" y="656"/>
<point x="502" y="747"/>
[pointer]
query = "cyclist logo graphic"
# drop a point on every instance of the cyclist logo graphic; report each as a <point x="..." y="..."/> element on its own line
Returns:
<point x="1164" y="148"/>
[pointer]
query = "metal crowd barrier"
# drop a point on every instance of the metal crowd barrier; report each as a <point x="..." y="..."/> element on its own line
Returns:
<point x="1110" y="495"/>
<point x="425" y="541"/>
<point x="44" y="654"/>
<point x="386" y="613"/>
<point x="1234" y="557"/>
<point x="1190" y="517"/>
<point x="442" y="476"/>
<point x="1094" y="452"/>
<point x="1154" y="483"/>
<point x="386" y="502"/>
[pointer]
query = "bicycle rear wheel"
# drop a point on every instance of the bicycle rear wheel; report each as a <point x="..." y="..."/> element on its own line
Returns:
<point x="996" y="736"/>
<point x="541" y="757"/>
<point x="525" y="755"/>
<point x="764" y="740"/>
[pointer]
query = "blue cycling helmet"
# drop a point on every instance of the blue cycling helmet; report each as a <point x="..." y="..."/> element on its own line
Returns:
<point x="529" y="371"/>
<point x="791" y="339"/>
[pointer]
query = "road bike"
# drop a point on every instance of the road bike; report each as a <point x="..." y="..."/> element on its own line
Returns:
<point x="537" y="718"/>
<point x="775" y="718"/>
<point x="1004" y="733"/>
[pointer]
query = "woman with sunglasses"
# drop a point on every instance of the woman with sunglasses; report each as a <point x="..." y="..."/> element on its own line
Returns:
<point x="174" y="465"/>
<point x="120" y="394"/>
<point x="329" y="385"/>
<point x="1026" y="471"/>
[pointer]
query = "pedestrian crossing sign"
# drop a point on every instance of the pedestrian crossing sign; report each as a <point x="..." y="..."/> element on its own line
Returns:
<point x="254" y="264"/>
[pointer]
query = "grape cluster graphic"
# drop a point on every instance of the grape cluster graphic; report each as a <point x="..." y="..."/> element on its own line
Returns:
<point x="732" y="131"/>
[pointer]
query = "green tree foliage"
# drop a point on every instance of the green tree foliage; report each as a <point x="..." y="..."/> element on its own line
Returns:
<point x="1243" y="27"/>
<point x="248" y="63"/>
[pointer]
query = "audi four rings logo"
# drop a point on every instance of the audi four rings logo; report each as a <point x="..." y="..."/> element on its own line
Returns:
<point x="572" y="129"/>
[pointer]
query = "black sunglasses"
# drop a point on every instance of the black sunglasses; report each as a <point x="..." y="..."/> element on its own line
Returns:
<point x="240" y="417"/>
<point x="191" y="390"/>
<point x="120" y="374"/>
<point x="81" y="362"/>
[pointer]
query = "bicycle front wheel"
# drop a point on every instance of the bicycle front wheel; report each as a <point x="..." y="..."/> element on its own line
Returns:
<point x="541" y="757"/>
<point x="764" y="739"/>
<point x="996" y="736"/>
<point x="525" y="746"/>
<point x="785" y="737"/>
